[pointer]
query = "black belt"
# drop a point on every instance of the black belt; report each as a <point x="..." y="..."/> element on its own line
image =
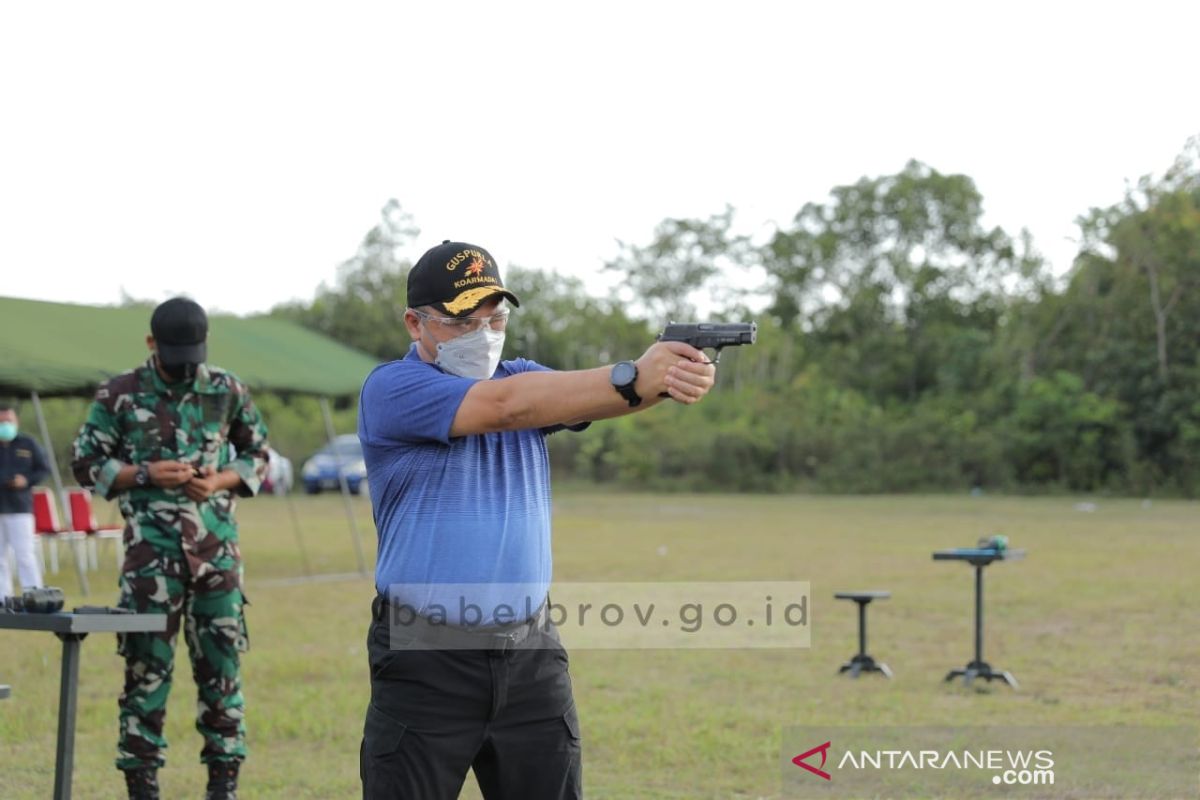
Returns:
<point x="441" y="635"/>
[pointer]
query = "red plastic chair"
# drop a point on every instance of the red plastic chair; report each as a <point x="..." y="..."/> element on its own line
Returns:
<point x="45" y="525"/>
<point x="83" y="518"/>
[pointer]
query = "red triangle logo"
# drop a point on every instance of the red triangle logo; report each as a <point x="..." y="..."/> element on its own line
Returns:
<point x="823" y="749"/>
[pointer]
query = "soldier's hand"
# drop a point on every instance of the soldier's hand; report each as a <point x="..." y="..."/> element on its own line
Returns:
<point x="18" y="482"/>
<point x="678" y="369"/>
<point x="169" y="474"/>
<point x="201" y="488"/>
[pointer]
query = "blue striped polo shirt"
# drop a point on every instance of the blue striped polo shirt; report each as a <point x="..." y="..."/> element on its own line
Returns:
<point x="463" y="522"/>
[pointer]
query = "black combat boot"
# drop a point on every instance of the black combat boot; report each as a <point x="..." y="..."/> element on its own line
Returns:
<point x="222" y="780"/>
<point x="142" y="783"/>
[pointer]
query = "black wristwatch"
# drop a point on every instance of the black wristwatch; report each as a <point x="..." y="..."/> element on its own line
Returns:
<point x="141" y="478"/>
<point x="623" y="375"/>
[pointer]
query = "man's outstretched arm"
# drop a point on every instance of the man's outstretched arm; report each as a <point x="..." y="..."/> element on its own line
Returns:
<point x="542" y="399"/>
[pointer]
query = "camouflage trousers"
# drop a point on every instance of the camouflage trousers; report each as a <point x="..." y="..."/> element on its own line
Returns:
<point x="215" y="630"/>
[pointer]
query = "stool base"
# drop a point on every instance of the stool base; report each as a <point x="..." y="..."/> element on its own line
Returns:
<point x="864" y="663"/>
<point x="983" y="671"/>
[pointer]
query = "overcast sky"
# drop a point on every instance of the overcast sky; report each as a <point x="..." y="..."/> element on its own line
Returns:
<point x="237" y="152"/>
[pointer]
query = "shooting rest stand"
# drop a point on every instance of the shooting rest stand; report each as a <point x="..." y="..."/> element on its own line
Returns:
<point x="862" y="662"/>
<point x="979" y="557"/>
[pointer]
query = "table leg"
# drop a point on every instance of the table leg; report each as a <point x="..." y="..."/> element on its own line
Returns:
<point x="978" y="668"/>
<point x="64" y="759"/>
<point x="862" y="628"/>
<point x="978" y="613"/>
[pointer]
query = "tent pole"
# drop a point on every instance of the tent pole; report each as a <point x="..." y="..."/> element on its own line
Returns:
<point x="358" y="551"/>
<point x="291" y="505"/>
<point x="80" y="567"/>
<point x="287" y="496"/>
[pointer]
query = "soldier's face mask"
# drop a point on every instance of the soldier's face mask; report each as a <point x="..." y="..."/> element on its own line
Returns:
<point x="8" y="431"/>
<point x="179" y="372"/>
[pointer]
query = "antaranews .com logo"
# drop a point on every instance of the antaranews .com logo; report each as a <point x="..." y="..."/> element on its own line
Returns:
<point x="1008" y="767"/>
<point x="1102" y="762"/>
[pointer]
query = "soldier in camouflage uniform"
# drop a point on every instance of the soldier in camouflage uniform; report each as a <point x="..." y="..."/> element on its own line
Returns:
<point x="158" y="439"/>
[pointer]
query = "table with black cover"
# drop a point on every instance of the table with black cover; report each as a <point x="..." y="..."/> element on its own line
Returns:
<point x="979" y="557"/>
<point x="72" y="629"/>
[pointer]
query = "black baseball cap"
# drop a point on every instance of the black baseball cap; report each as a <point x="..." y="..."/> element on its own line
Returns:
<point x="455" y="278"/>
<point x="180" y="328"/>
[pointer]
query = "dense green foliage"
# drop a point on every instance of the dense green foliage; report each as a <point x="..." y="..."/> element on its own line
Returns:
<point x="902" y="345"/>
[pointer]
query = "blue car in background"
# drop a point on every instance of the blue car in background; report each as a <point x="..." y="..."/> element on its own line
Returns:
<point x="321" y="469"/>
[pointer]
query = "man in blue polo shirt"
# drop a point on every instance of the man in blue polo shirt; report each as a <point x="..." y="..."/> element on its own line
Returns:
<point x="466" y="672"/>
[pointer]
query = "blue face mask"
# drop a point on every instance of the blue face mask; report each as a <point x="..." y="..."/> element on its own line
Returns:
<point x="8" y="431"/>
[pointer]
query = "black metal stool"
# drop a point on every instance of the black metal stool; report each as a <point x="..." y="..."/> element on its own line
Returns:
<point x="863" y="662"/>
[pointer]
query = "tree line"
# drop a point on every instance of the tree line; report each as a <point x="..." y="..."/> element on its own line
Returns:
<point x="903" y="345"/>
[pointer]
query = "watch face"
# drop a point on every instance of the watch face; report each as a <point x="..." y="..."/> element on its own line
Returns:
<point x="623" y="373"/>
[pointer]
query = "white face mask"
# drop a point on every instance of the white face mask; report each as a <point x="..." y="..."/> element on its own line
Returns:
<point x="472" y="355"/>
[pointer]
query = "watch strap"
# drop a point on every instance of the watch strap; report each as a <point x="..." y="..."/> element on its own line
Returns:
<point x="627" y="391"/>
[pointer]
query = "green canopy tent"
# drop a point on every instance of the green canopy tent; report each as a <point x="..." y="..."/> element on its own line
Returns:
<point x="59" y="349"/>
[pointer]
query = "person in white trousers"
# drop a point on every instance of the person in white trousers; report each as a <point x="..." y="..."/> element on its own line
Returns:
<point x="22" y="465"/>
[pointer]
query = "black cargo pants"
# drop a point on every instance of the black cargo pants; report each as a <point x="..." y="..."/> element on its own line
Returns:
<point x="507" y="712"/>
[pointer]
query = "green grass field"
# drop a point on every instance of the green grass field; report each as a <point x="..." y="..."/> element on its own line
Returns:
<point x="1099" y="624"/>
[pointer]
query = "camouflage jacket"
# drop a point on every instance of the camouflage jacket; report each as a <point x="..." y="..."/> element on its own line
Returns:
<point x="136" y="418"/>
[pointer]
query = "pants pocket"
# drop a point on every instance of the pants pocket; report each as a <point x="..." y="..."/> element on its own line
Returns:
<point x="387" y="654"/>
<point x="382" y="733"/>
<point x="571" y="720"/>
<point x="381" y="763"/>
